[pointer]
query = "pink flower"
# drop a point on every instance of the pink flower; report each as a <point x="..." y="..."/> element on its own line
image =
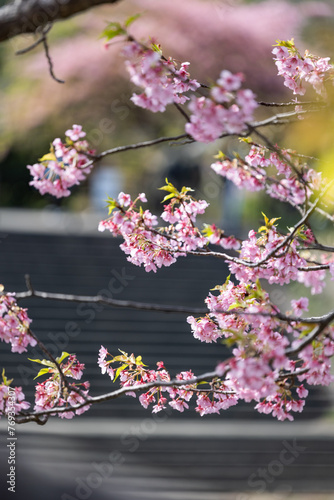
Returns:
<point x="229" y="81"/>
<point x="302" y="392"/>
<point x="17" y="399"/>
<point x="14" y="324"/>
<point x="299" y="305"/>
<point x="179" y="405"/>
<point x="75" y="133"/>
<point x="162" y="82"/>
<point x="65" y="165"/>
<point x="218" y="114"/>
<point x="47" y="392"/>
<point x="204" y="329"/>
<point x="146" y="399"/>
<point x="142" y="197"/>
<point x="103" y="364"/>
<point x="124" y="199"/>
<point x="295" y="68"/>
<point x="313" y="279"/>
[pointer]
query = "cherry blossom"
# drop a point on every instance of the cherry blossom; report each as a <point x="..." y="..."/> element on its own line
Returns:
<point x="52" y="394"/>
<point x="162" y="81"/>
<point x="300" y="305"/>
<point x="143" y="243"/>
<point x="12" y="399"/>
<point x="14" y="324"/>
<point x="281" y="267"/>
<point x="105" y="368"/>
<point x="227" y="110"/>
<point x="65" y="165"/>
<point x="204" y="329"/>
<point x="295" y="68"/>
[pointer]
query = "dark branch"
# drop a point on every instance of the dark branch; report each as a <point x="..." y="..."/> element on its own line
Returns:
<point x="45" y="31"/>
<point x="123" y="390"/>
<point x="26" y="16"/>
<point x="50" y="63"/>
<point x="145" y="306"/>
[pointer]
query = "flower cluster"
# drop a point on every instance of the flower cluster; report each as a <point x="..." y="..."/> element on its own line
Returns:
<point x="133" y="373"/>
<point x="15" y="396"/>
<point x="151" y="247"/>
<point x="65" y="165"/>
<point x="14" y="323"/>
<point x="162" y="81"/>
<point x="227" y="110"/>
<point x="242" y="175"/>
<point x="277" y="262"/>
<point x="295" y="68"/>
<point x="247" y="378"/>
<point x="53" y="393"/>
<point x="259" y="369"/>
<point x="315" y="358"/>
<point x="216" y="236"/>
<point x="280" y="175"/>
<point x="280" y="406"/>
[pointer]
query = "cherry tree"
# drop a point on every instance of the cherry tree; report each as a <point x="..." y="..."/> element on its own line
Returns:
<point x="274" y="355"/>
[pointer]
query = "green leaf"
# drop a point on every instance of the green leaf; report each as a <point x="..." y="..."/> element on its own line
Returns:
<point x="247" y="140"/>
<point x="123" y="352"/>
<point x="168" y="197"/>
<point x="156" y="48"/>
<point x="266" y="220"/>
<point x="289" y="44"/>
<point x="62" y="357"/>
<point x="119" y="370"/>
<point x="112" y="30"/>
<point x="185" y="190"/>
<point x="139" y="361"/>
<point x="42" y="371"/>
<point x="43" y="362"/>
<point x="207" y="230"/>
<point x="48" y="157"/>
<point x="131" y="19"/>
<point x="169" y="187"/>
<point x="258" y="293"/>
<point x="220" y="156"/>
<point x="229" y="341"/>
<point x="6" y="381"/>
<point x="268" y="223"/>
<point x="111" y="203"/>
<point x="235" y="305"/>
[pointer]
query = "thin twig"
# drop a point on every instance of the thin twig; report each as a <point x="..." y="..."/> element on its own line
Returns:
<point x="138" y="145"/>
<point x="284" y="104"/>
<point x="129" y="304"/>
<point x="46" y="49"/>
<point x="312" y="336"/>
<point x="35" y="44"/>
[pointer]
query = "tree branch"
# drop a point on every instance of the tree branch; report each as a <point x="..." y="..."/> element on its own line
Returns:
<point x="317" y="330"/>
<point x="119" y="392"/>
<point x="25" y="16"/>
<point x="99" y="299"/>
<point x="145" y="306"/>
